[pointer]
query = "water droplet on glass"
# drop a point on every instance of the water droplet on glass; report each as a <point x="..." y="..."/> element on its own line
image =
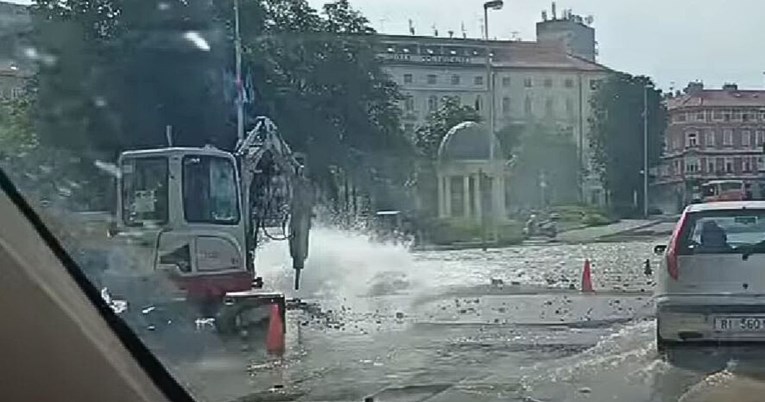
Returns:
<point x="197" y="40"/>
<point x="99" y="101"/>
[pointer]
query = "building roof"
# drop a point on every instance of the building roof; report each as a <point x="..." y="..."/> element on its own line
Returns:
<point x="467" y="141"/>
<point x="718" y="98"/>
<point x="545" y="56"/>
<point x="508" y="53"/>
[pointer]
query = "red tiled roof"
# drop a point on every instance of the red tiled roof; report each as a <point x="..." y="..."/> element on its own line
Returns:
<point x="719" y="98"/>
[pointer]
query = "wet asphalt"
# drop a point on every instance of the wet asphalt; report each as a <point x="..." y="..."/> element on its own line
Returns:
<point x="385" y="324"/>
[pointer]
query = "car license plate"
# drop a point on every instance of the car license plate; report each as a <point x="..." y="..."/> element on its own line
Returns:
<point x="740" y="324"/>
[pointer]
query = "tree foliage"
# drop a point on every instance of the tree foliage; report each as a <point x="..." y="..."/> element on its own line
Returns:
<point x="114" y="73"/>
<point x="545" y="167"/>
<point x="450" y="113"/>
<point x="616" y="135"/>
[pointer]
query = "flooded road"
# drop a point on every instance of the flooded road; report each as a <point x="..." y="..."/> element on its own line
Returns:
<point x="469" y="326"/>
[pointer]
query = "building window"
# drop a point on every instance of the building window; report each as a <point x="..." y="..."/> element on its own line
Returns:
<point x="455" y="79"/>
<point x="762" y="115"/>
<point x="736" y="115"/>
<point x="747" y="166"/>
<point x="720" y="164"/>
<point x="432" y="103"/>
<point x="478" y="80"/>
<point x="692" y="165"/>
<point x="549" y="109"/>
<point x="711" y="166"/>
<point x="691" y="140"/>
<point x="548" y="82"/>
<point x="746" y="116"/>
<point x="728" y="137"/>
<point x="478" y="103"/>
<point x="728" y="165"/>
<point x="760" y="137"/>
<point x="409" y="103"/>
<point x="505" y="82"/>
<point x="528" y="82"/>
<point x="568" y="83"/>
<point x="710" y="140"/>
<point x="717" y="115"/>
<point x="528" y="107"/>
<point x="408" y="78"/>
<point x="726" y="115"/>
<point x="506" y="105"/>
<point x="680" y="117"/>
<point x="700" y="116"/>
<point x="432" y="79"/>
<point x="594" y="85"/>
<point x="746" y="138"/>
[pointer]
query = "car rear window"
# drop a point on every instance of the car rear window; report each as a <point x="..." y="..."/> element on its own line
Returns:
<point x="723" y="232"/>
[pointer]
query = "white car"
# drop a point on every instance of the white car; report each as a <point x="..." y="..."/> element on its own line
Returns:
<point x="711" y="286"/>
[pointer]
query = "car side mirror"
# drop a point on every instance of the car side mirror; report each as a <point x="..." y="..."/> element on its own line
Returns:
<point x="659" y="249"/>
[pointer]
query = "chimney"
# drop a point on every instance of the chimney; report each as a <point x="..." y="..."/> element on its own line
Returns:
<point x="730" y="87"/>
<point x="694" y="88"/>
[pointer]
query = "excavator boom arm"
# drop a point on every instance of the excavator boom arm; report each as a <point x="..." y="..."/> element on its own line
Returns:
<point x="276" y="192"/>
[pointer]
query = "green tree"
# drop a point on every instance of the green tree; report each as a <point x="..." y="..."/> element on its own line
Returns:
<point x="114" y="73"/>
<point x="318" y="75"/>
<point x="545" y="167"/>
<point x="450" y="113"/>
<point x="616" y="135"/>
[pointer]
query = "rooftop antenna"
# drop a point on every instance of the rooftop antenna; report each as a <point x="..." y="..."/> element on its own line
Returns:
<point x="544" y="15"/>
<point x="435" y="30"/>
<point x="515" y="35"/>
<point x="554" y="11"/>
<point x="451" y="33"/>
<point x="169" y="135"/>
<point x="464" y="33"/>
<point x="411" y="27"/>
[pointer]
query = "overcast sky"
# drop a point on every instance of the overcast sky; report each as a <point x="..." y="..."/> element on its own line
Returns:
<point x="673" y="41"/>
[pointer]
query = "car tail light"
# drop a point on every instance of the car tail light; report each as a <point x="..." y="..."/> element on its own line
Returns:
<point x="672" y="266"/>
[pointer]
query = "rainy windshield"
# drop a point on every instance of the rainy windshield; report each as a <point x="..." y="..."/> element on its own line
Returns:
<point x="144" y="190"/>
<point x="209" y="190"/>
<point x="332" y="200"/>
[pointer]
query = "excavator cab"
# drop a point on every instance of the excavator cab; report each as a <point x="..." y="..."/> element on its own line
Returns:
<point x="181" y="211"/>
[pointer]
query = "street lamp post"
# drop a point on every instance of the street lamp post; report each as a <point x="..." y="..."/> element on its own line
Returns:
<point x="239" y="82"/>
<point x="646" y="88"/>
<point x="493" y="5"/>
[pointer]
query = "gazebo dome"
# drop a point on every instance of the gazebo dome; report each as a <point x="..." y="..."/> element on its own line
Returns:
<point x="467" y="141"/>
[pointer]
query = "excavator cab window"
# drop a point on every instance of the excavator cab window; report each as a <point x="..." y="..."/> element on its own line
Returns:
<point x="145" y="191"/>
<point x="210" y="193"/>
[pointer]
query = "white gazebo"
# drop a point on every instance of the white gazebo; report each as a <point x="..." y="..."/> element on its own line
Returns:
<point x="471" y="186"/>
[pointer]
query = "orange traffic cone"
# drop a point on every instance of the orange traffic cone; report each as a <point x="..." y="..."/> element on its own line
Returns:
<point x="275" y="335"/>
<point x="587" y="277"/>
